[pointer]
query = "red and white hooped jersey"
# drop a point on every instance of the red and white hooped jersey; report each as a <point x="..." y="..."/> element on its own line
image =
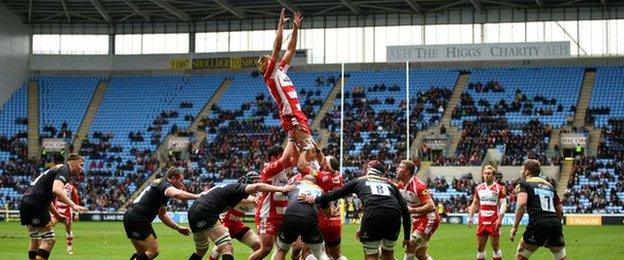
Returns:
<point x="489" y="199"/>
<point x="415" y="193"/>
<point x="272" y="206"/>
<point x="72" y="193"/>
<point x="281" y="87"/>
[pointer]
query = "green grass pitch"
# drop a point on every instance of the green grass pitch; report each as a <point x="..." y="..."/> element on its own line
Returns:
<point x="99" y="240"/>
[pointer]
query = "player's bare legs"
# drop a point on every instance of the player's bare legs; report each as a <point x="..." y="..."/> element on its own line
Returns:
<point x="266" y="245"/>
<point x="387" y="254"/>
<point x="251" y="240"/>
<point x="302" y="138"/>
<point x="333" y="251"/>
<point x="525" y="250"/>
<point x="421" y="253"/>
<point x="481" y="242"/>
<point x="558" y="253"/>
<point x="69" y="237"/>
<point x="298" y="250"/>
<point x="148" y="247"/>
<point x="42" y="241"/>
<point x="497" y="254"/>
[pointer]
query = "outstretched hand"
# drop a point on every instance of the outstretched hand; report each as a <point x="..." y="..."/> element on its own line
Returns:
<point x="297" y="20"/>
<point x="283" y="18"/>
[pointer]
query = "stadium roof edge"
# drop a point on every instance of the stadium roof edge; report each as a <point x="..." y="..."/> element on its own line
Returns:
<point x="112" y="12"/>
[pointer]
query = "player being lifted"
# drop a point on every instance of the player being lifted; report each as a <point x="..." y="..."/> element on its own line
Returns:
<point x="65" y="210"/>
<point x="151" y="202"/>
<point x="293" y="119"/>
<point x="384" y="210"/>
<point x="233" y="219"/>
<point x="36" y="205"/>
<point x="490" y="199"/>
<point x="425" y="219"/>
<point x="203" y="215"/>
<point x="539" y="198"/>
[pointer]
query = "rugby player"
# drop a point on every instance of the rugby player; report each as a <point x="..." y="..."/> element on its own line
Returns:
<point x="384" y="210"/>
<point x="65" y="210"/>
<point x="301" y="221"/>
<point x="271" y="206"/>
<point x="150" y="203"/>
<point x="539" y="198"/>
<point x="327" y="178"/>
<point x="203" y="215"/>
<point x="233" y="219"/>
<point x="490" y="199"/>
<point x="293" y="119"/>
<point x="425" y="219"/>
<point x="36" y="205"/>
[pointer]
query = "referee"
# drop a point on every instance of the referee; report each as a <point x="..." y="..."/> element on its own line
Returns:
<point x="539" y="198"/>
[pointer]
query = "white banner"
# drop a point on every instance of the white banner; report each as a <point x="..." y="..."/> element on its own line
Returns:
<point x="53" y="144"/>
<point x="570" y="140"/>
<point x="178" y="143"/>
<point x="486" y="51"/>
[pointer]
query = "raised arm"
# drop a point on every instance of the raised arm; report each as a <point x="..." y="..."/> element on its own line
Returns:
<point x="292" y="44"/>
<point x="277" y="44"/>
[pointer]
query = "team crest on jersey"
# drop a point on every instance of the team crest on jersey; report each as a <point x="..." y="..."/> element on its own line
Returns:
<point x="426" y="192"/>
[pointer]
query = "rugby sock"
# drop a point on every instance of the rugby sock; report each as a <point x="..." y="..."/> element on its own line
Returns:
<point x="32" y="254"/>
<point x="70" y="238"/>
<point x="498" y="255"/>
<point x="408" y="257"/>
<point x="214" y="255"/>
<point x="227" y="257"/>
<point x="42" y="254"/>
<point x="195" y="256"/>
<point x="133" y="257"/>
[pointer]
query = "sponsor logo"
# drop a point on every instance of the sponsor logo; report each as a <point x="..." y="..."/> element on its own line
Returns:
<point x="36" y="221"/>
<point x="454" y="220"/>
<point x="585" y="220"/>
<point x="96" y="217"/>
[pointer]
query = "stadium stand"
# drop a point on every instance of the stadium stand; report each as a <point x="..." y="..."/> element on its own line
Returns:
<point x="63" y="101"/>
<point x="374" y="113"/>
<point x="13" y="127"/>
<point x="513" y="109"/>
<point x="605" y="103"/>
<point x="117" y="159"/>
